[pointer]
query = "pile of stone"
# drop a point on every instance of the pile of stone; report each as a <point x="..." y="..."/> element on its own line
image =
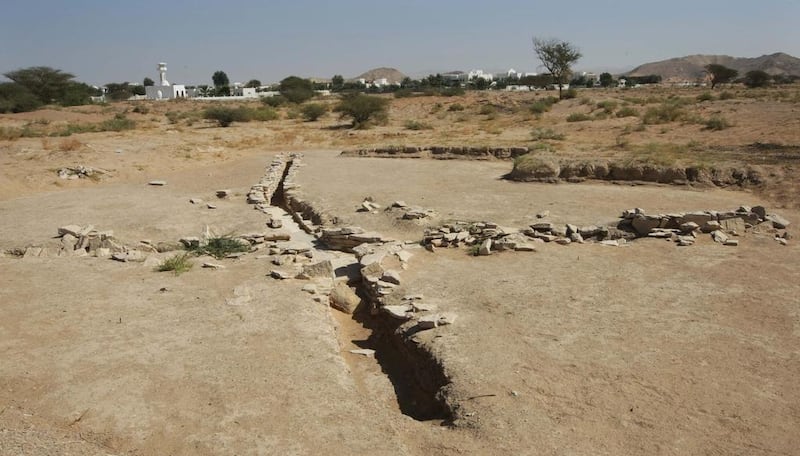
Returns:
<point x="485" y="236"/>
<point x="80" y="172"/>
<point x="346" y="238"/>
<point x="380" y="276"/>
<point x="368" y="205"/>
<point x="411" y="212"/>
<point x="76" y="240"/>
<point x="683" y="228"/>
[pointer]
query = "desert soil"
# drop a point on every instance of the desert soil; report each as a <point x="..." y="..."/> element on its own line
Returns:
<point x="579" y="349"/>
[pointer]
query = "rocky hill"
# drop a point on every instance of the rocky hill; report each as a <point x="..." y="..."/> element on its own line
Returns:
<point x="391" y="74"/>
<point x="692" y="67"/>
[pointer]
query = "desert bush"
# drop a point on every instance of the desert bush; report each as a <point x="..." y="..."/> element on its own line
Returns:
<point x="404" y="93"/>
<point x="10" y="133"/>
<point x="664" y="113"/>
<point x="363" y="109"/>
<point x="705" y="96"/>
<point x="274" y="101"/>
<point x="17" y="98"/>
<point x="296" y="90"/>
<point x="578" y="117"/>
<point x="487" y="110"/>
<point x="68" y="145"/>
<point x="455" y="107"/>
<point x="452" y="92"/>
<point x="569" y="94"/>
<point x="178" y="264"/>
<point x="539" y="134"/>
<point x="118" y="123"/>
<point x="262" y="114"/>
<point x="627" y="111"/>
<point x="608" y="106"/>
<point x="222" y="115"/>
<point x="417" y="125"/>
<point x="141" y="109"/>
<point x="716" y="123"/>
<point x="313" y="111"/>
<point x="726" y="95"/>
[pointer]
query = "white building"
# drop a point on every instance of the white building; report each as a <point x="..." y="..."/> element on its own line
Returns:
<point x="164" y="90"/>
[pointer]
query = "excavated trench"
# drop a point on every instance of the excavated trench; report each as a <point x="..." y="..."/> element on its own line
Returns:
<point x="417" y="377"/>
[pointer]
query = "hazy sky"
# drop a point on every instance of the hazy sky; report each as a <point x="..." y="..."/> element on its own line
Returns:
<point x="115" y="41"/>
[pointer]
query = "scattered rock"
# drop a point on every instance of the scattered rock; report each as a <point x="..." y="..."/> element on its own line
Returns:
<point x="213" y="265"/>
<point x="485" y="248"/>
<point x="211" y="206"/>
<point x="275" y="223"/>
<point x="778" y="222"/>
<point x="279" y="275"/>
<point x="719" y="236"/>
<point x="391" y="276"/>
<point x="195" y="200"/>
<point x="543" y="214"/>
<point x="323" y="269"/>
<point x="363" y="351"/>
<point x="222" y="194"/>
<point x="731" y="242"/>
<point x="157" y="183"/>
<point x="344" y="298"/>
<point x="400" y="312"/>
<point x="309" y="288"/>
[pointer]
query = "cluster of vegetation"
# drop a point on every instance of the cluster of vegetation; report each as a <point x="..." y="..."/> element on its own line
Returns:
<point x="578" y="117"/>
<point x="311" y="112"/>
<point x="225" y="116"/>
<point x="34" y="87"/>
<point x="417" y="125"/>
<point x="178" y="264"/>
<point x="542" y="105"/>
<point x="38" y="129"/>
<point x="670" y="110"/>
<point x="363" y="110"/>
<point x="540" y="134"/>
<point x="220" y="246"/>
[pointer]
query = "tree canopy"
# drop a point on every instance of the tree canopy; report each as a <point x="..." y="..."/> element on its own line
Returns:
<point x="363" y="108"/>
<point x="756" y="78"/>
<point x="557" y="57"/>
<point x="296" y="89"/>
<point x="253" y="83"/>
<point x="220" y="79"/>
<point x="720" y="74"/>
<point x="148" y="82"/>
<point x="46" y="85"/>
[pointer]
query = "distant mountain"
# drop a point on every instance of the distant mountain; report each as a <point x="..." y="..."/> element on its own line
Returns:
<point x="391" y="74"/>
<point x="692" y="67"/>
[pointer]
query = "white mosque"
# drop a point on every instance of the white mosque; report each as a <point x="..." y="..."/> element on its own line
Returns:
<point x="163" y="90"/>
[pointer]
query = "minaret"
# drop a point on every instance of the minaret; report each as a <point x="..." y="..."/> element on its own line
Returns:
<point x="162" y="71"/>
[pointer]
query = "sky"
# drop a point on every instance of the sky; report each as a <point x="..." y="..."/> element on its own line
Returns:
<point x="101" y="41"/>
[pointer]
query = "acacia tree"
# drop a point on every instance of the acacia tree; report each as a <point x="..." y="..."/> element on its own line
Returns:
<point x="557" y="57"/>
<point x="253" y="83"/>
<point x="720" y="74"/>
<point x="756" y="78"/>
<point x="47" y="84"/>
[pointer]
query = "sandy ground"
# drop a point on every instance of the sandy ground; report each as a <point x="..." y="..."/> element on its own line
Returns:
<point x="646" y="349"/>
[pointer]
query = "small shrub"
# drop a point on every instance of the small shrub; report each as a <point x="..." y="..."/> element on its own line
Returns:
<point x="10" y="133"/>
<point x="539" y="134"/>
<point x="274" y="101"/>
<point x="223" y="116"/>
<point x="178" y="264"/>
<point x="665" y="113"/>
<point x="68" y="145"/>
<point x="141" y="109"/>
<point x="404" y="93"/>
<point x="221" y="246"/>
<point x="313" y="111"/>
<point x="436" y="108"/>
<point x="455" y="107"/>
<point x="608" y="106"/>
<point x="578" y="117"/>
<point x="705" y="96"/>
<point x="263" y="114"/>
<point x="717" y="123"/>
<point x="569" y="94"/>
<point x="417" y="125"/>
<point x="452" y="92"/>
<point x="118" y="123"/>
<point x="363" y="109"/>
<point x="487" y="110"/>
<point x="726" y="95"/>
<point x="627" y="111"/>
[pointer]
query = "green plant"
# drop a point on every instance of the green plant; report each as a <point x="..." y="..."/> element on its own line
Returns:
<point x="262" y="114"/>
<point x="220" y="246"/>
<point x="455" y="107"/>
<point x="716" y="123"/>
<point x="756" y="78"/>
<point x="141" y="109"/>
<point x="296" y="89"/>
<point x="417" y="125"/>
<point x="178" y="264"/>
<point x="578" y="117"/>
<point x="452" y="92"/>
<point x="313" y="111"/>
<point x="474" y="249"/>
<point x="404" y="93"/>
<point x="363" y="109"/>
<point x="539" y="134"/>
